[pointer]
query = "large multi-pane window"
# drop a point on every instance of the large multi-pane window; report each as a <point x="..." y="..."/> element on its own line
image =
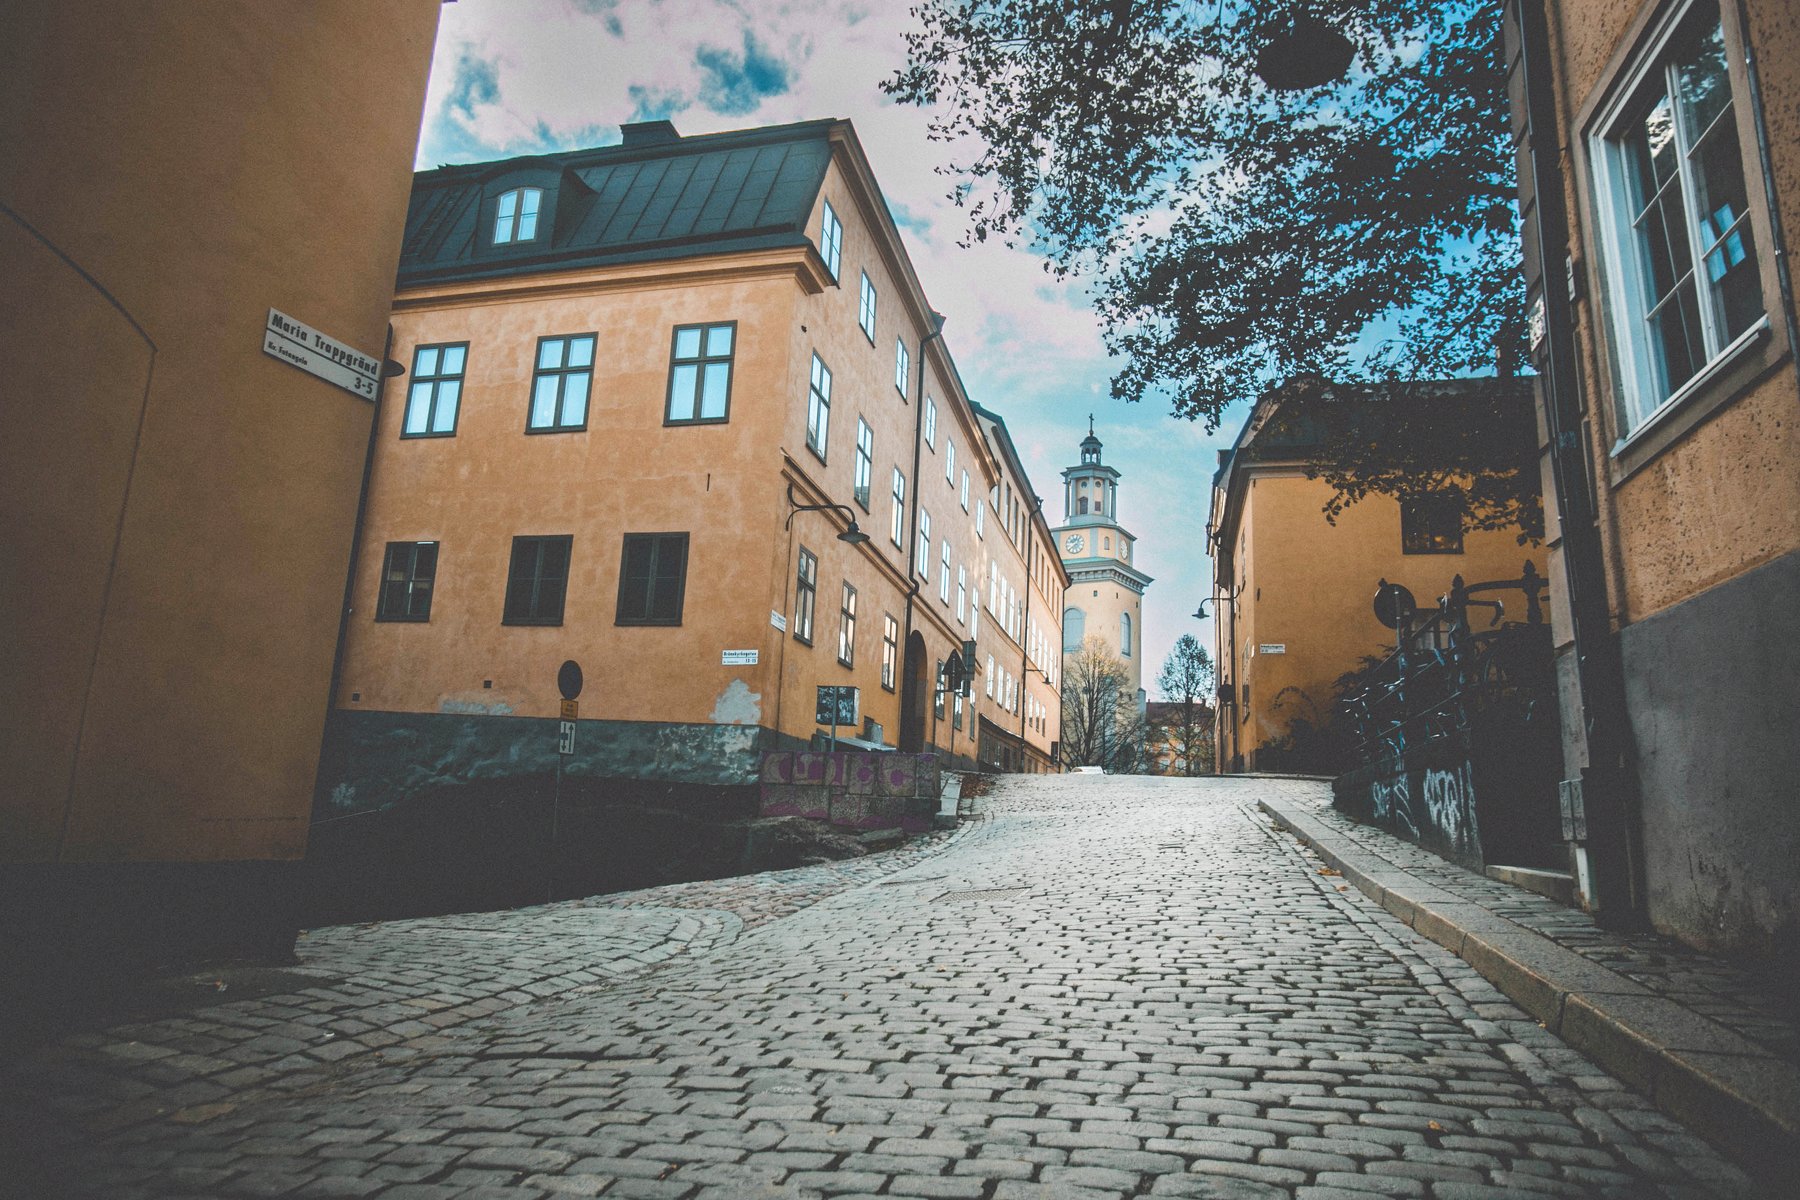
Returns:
<point x="963" y="491"/>
<point x="516" y="215"/>
<point x="407" y="573"/>
<point x="847" y="627"/>
<point x="818" y="407"/>
<point x="805" y="593"/>
<point x="890" y="649"/>
<point x="1674" y="205"/>
<point x="898" y="531"/>
<point x="436" y="390"/>
<point x="949" y="462"/>
<point x="944" y="573"/>
<point x="924" y="555"/>
<point x="831" y="240"/>
<point x="700" y="374"/>
<point x="931" y="422"/>
<point x="962" y="593"/>
<point x="902" y="366"/>
<point x="537" y="580"/>
<point x="652" y="579"/>
<point x="559" y="389"/>
<point x="865" y="310"/>
<point x="865" y="462"/>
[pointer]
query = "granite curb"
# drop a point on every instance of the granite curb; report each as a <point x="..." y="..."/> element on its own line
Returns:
<point x="1732" y="1091"/>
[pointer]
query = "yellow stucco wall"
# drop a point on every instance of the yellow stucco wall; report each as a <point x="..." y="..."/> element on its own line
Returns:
<point x="180" y="505"/>
<point x="1309" y="586"/>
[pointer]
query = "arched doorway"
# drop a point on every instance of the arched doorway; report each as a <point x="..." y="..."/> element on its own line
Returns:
<point x="913" y="695"/>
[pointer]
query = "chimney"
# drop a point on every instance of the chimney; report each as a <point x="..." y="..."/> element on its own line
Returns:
<point x="648" y="133"/>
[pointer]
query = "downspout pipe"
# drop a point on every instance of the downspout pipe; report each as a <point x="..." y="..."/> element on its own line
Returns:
<point x="1783" y="276"/>
<point x="912" y="529"/>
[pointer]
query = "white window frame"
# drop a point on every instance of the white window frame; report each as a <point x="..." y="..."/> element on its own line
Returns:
<point x="1634" y="361"/>
<point x="950" y="462"/>
<point x="902" y="366"/>
<point x="931" y="423"/>
<point x="863" y="480"/>
<point x="818" y="407"/>
<point x="924" y="566"/>
<point x="964" y="490"/>
<point x="520" y="222"/>
<point x="831" y="240"/>
<point x="898" y="524"/>
<point x="944" y="575"/>
<point x="865" y="308"/>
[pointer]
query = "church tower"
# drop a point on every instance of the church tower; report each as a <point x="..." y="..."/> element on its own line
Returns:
<point x="1106" y="590"/>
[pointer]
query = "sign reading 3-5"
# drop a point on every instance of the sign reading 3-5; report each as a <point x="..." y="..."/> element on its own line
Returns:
<point x="300" y="344"/>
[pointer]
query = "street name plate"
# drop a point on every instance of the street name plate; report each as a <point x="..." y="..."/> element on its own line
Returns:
<point x="777" y="620"/>
<point x="299" y="344"/>
<point x="739" y="658"/>
<point x="1272" y="648"/>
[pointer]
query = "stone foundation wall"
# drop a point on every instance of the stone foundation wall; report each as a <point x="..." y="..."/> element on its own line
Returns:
<point x="853" y="789"/>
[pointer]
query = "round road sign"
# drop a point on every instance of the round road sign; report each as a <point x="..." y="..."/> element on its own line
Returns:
<point x="568" y="680"/>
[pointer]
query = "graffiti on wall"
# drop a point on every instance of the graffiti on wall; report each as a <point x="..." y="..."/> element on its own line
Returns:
<point x="1450" y="807"/>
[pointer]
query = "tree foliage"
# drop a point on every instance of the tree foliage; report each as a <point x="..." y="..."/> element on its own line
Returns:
<point x="1186" y="682"/>
<point x="1238" y="236"/>
<point x="1101" y="726"/>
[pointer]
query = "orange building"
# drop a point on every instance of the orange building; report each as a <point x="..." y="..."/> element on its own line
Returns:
<point x="678" y="410"/>
<point x="1659" y="176"/>
<point x="180" y="499"/>
<point x="1293" y="593"/>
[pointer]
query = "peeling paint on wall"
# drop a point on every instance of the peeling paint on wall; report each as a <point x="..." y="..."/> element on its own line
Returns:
<point x="738" y="705"/>
<point x="475" y="708"/>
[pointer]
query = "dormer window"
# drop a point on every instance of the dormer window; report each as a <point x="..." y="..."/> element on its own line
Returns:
<point x="516" y="216"/>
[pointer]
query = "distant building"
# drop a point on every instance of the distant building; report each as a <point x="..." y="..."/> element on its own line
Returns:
<point x="627" y="364"/>
<point x="1660" y="187"/>
<point x="1105" y="598"/>
<point x="1178" y="742"/>
<point x="180" y="500"/>
<point x="1293" y="593"/>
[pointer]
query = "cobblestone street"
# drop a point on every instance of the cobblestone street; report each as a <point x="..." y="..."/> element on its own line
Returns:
<point x="1100" y="987"/>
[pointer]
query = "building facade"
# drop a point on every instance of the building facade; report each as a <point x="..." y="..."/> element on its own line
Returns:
<point x="180" y="500"/>
<point x="1659" y="168"/>
<point x="1293" y="592"/>
<point x="679" y="411"/>
<point x="1105" y="597"/>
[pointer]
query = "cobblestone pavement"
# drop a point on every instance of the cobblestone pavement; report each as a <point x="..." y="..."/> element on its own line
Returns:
<point x="1707" y="985"/>
<point x="1104" y="987"/>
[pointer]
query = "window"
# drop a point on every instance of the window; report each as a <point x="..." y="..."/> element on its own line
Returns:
<point x="516" y="215"/>
<point x="980" y="520"/>
<point x="406" y="578"/>
<point x="944" y="575"/>
<point x="965" y="490"/>
<point x="847" y="627"/>
<point x="1074" y="629"/>
<point x="902" y="366"/>
<point x="559" y="390"/>
<point x="865" y="313"/>
<point x="700" y="374"/>
<point x="437" y="379"/>
<point x="865" y="462"/>
<point x="990" y="677"/>
<point x="1431" y="525"/>
<point x="949" y="462"/>
<point x="818" y="407"/>
<point x="1674" y="209"/>
<point x="937" y="695"/>
<point x="899" y="523"/>
<point x="1125" y="635"/>
<point x="931" y="423"/>
<point x="807" y="588"/>
<point x="890" y="649"/>
<point x="831" y="240"/>
<point x="537" y="580"/>
<point x="962" y="593"/>
<point x="924" y="545"/>
<point x="652" y="579"/>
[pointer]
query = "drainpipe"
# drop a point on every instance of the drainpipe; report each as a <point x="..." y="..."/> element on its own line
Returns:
<point x="1783" y="278"/>
<point x="912" y="531"/>
<point x="1604" y="783"/>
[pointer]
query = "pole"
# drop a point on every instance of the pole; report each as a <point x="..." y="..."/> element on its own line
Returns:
<point x="555" y="812"/>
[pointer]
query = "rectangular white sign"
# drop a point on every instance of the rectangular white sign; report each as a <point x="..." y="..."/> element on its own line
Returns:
<point x="300" y="344"/>
<point x="565" y="737"/>
<point x="1272" y="648"/>
<point x="777" y="620"/>
<point x="738" y="658"/>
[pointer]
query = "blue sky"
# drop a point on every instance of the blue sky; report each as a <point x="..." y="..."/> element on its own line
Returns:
<point x="525" y="76"/>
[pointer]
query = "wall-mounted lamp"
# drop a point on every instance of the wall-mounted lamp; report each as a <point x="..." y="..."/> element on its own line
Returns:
<point x="1200" y="613"/>
<point x="853" y="535"/>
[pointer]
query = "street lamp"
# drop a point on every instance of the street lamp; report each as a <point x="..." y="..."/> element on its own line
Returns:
<point x="853" y="535"/>
<point x="1302" y="52"/>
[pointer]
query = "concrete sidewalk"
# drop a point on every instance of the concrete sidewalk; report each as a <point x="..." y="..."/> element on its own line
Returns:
<point x="1698" y="1036"/>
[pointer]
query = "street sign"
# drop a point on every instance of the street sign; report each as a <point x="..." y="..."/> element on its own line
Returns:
<point x="568" y="680"/>
<point x="565" y="738"/>
<point x="738" y="658"/>
<point x="778" y="620"/>
<point x="301" y="345"/>
<point x="838" y="705"/>
<point x="1272" y="648"/>
<point x="571" y="710"/>
<point x="1394" y="604"/>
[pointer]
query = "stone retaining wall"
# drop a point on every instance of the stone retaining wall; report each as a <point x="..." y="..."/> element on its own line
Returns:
<point x="853" y="789"/>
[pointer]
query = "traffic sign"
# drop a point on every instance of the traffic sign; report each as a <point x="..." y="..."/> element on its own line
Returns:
<point x="571" y="709"/>
<point x="568" y="680"/>
<point x="565" y="738"/>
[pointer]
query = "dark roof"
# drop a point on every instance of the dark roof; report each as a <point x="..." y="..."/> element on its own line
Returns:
<point x="657" y="195"/>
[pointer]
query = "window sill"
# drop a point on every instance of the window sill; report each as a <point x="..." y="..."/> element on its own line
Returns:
<point x="411" y="437"/>
<point x="1686" y="405"/>
<point x="396" y="620"/>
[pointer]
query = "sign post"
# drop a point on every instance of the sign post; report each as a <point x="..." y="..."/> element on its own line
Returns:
<point x="568" y="682"/>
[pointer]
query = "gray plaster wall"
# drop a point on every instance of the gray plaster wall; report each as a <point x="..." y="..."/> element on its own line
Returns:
<point x="373" y="760"/>
<point x="1713" y="691"/>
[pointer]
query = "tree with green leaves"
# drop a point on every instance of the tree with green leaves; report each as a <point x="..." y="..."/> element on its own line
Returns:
<point x="1237" y="236"/>
<point x="1186" y="683"/>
